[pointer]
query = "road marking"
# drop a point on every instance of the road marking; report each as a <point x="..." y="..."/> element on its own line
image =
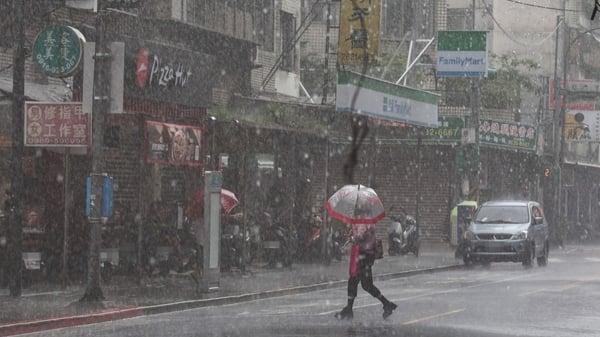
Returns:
<point x="563" y="288"/>
<point x="427" y="318"/>
<point x="533" y="292"/>
<point x="571" y="286"/>
<point x="592" y="259"/>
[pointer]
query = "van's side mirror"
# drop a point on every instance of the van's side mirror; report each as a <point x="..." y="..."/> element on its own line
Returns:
<point x="538" y="220"/>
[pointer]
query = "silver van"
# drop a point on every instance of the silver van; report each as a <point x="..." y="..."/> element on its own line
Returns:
<point x="507" y="231"/>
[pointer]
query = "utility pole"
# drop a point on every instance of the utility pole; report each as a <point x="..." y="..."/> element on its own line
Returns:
<point x="557" y="141"/>
<point x="474" y="122"/>
<point x="101" y="105"/>
<point x="327" y="75"/>
<point x="15" y="213"/>
<point x="325" y="223"/>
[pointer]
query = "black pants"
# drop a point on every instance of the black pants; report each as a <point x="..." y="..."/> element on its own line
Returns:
<point x="365" y="277"/>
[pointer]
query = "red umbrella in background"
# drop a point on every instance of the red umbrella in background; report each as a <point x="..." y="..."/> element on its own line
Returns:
<point x="195" y="205"/>
<point x="355" y="204"/>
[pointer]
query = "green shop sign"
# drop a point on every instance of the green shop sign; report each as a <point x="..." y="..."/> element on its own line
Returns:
<point x="508" y="134"/>
<point x="448" y="131"/>
<point x="57" y="50"/>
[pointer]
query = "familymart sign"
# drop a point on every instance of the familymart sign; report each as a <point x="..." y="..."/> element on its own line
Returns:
<point x="357" y="93"/>
<point x="461" y="54"/>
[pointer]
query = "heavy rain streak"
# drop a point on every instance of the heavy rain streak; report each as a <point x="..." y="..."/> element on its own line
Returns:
<point x="299" y="168"/>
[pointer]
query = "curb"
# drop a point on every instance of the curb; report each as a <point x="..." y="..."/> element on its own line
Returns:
<point x="12" y="329"/>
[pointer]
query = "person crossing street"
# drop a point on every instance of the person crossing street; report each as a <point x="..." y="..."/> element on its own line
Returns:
<point x="362" y="257"/>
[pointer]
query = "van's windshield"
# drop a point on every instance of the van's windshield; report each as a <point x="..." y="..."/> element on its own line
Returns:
<point x="502" y="214"/>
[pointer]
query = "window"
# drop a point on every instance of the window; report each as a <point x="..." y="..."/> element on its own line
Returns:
<point x="264" y="24"/>
<point x="288" y="28"/>
<point x="459" y="19"/>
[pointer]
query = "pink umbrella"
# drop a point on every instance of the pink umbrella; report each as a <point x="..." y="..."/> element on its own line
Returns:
<point x="355" y="204"/>
<point x="195" y="205"/>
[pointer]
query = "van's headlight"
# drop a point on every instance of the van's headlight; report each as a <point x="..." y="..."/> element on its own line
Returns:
<point x="470" y="236"/>
<point x="520" y="236"/>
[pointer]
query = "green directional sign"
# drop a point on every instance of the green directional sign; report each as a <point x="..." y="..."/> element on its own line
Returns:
<point x="57" y="50"/>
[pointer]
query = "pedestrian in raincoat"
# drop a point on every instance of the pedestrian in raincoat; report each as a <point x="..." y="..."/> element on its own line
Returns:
<point x="362" y="257"/>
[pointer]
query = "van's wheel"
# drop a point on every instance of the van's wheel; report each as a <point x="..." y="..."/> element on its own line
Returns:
<point x="529" y="256"/>
<point x="542" y="261"/>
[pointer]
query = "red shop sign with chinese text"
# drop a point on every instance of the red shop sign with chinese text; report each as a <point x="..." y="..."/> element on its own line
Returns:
<point x="56" y="124"/>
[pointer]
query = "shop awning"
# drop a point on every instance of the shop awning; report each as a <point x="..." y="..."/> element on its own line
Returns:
<point x="36" y="91"/>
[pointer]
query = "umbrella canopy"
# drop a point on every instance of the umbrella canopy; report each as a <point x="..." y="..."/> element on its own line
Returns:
<point x="355" y="204"/>
<point x="195" y="205"/>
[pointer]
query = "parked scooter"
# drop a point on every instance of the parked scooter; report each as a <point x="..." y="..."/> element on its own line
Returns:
<point x="313" y="245"/>
<point x="403" y="238"/>
<point x="232" y="240"/>
<point x="279" y="246"/>
<point x="339" y="241"/>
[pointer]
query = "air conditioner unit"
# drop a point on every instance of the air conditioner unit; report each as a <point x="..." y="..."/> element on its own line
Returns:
<point x="467" y="136"/>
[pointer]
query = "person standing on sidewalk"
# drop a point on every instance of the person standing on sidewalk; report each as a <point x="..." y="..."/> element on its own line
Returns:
<point x="362" y="257"/>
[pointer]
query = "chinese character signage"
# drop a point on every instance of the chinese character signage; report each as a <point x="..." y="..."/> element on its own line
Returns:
<point x="508" y="134"/>
<point x="56" y="124"/>
<point x="359" y="31"/>
<point x="58" y="50"/>
<point x="461" y="54"/>
<point x="372" y="97"/>
<point x="173" y="144"/>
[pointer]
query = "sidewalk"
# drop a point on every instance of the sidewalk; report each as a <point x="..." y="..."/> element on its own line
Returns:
<point x="46" y="306"/>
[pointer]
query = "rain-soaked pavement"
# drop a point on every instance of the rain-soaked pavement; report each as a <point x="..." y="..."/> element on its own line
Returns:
<point x="502" y="300"/>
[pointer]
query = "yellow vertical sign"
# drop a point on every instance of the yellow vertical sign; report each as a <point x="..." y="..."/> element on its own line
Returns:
<point x="359" y="31"/>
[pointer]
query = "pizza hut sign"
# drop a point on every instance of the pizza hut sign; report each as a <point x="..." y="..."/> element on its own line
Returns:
<point x="154" y="71"/>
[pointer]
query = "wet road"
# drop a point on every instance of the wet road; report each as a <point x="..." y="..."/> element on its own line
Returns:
<point x="562" y="299"/>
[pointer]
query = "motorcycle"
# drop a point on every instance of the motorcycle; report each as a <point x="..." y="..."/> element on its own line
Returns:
<point x="167" y="249"/>
<point x="232" y="240"/>
<point x="338" y="243"/>
<point x="403" y="238"/>
<point x="314" y="244"/>
<point x="279" y="246"/>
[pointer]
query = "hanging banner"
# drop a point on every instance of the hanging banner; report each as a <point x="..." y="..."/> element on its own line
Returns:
<point x="372" y="97"/>
<point x="173" y="144"/>
<point x="56" y="124"/>
<point x="359" y="31"/>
